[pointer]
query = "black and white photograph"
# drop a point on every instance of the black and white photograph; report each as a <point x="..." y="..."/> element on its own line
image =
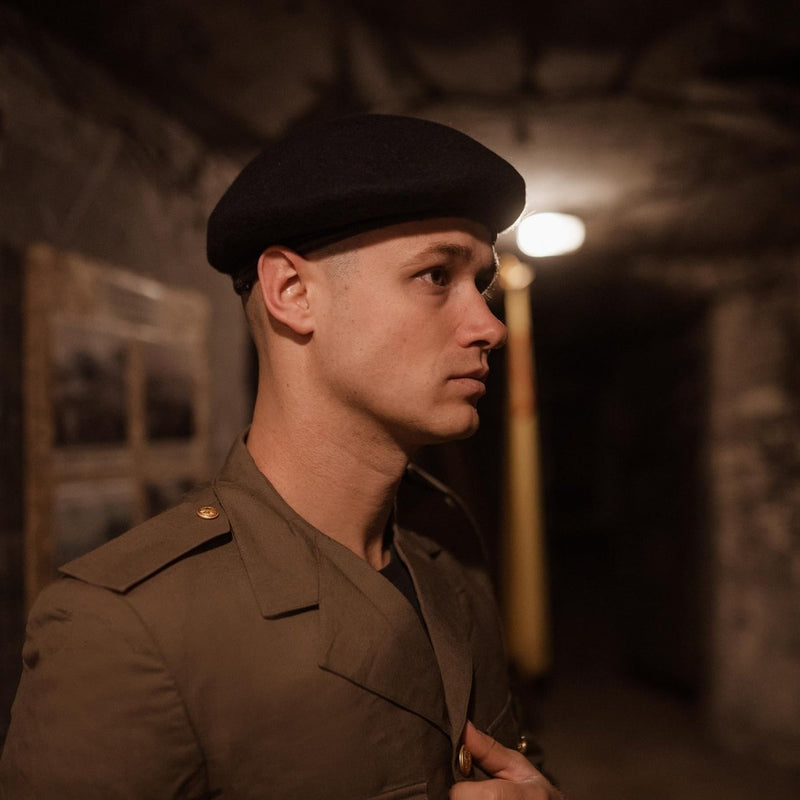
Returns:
<point x="90" y="386"/>
<point x="170" y="392"/>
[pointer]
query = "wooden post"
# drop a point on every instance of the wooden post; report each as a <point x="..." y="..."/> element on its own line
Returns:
<point x="524" y="576"/>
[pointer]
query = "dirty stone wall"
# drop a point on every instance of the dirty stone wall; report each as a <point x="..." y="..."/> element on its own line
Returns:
<point x="754" y="455"/>
<point x="86" y="166"/>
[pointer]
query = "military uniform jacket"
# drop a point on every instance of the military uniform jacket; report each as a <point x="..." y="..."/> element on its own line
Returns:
<point x="228" y="649"/>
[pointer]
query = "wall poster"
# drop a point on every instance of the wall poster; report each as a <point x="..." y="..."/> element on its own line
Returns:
<point x="116" y="404"/>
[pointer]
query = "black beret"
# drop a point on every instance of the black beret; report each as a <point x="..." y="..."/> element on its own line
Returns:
<point x="324" y="183"/>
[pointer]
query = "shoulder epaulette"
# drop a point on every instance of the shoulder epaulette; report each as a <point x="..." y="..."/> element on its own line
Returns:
<point x="146" y="549"/>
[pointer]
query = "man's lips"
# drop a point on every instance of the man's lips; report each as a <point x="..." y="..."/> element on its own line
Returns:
<point x="472" y="381"/>
<point x="478" y="374"/>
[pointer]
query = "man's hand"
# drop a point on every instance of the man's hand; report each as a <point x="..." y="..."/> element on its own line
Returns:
<point x="513" y="776"/>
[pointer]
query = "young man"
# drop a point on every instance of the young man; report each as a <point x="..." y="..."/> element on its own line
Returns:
<point x="317" y="623"/>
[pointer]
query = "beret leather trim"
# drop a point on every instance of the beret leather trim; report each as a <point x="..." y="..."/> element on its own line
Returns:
<point x="325" y="183"/>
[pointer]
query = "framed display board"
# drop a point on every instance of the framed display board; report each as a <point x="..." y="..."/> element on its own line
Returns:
<point x="116" y="404"/>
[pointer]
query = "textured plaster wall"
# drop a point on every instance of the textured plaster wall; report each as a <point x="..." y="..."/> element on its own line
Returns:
<point x="755" y="485"/>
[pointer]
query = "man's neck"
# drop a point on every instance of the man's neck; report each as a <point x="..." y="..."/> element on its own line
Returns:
<point x="343" y="484"/>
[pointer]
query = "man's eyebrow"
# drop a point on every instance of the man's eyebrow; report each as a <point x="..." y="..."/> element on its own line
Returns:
<point x="448" y="249"/>
<point x="458" y="252"/>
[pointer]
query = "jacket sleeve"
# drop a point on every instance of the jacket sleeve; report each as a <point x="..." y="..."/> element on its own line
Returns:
<point x="97" y="714"/>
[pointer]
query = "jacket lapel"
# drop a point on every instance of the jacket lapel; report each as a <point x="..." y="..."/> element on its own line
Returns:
<point x="368" y="632"/>
<point x="442" y="599"/>
<point x="371" y="635"/>
<point x="276" y="545"/>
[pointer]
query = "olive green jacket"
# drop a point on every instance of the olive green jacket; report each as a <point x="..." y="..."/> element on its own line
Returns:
<point x="239" y="653"/>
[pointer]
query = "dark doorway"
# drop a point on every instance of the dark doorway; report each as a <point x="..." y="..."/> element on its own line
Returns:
<point x="622" y="387"/>
<point x="623" y="393"/>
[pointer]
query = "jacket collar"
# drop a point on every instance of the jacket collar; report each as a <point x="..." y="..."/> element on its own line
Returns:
<point x="293" y="567"/>
<point x="278" y="547"/>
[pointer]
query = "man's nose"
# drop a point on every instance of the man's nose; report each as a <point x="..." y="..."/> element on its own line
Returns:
<point x="484" y="328"/>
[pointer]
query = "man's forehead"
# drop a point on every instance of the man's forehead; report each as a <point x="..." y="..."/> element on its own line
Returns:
<point x="458" y="251"/>
<point x="478" y="257"/>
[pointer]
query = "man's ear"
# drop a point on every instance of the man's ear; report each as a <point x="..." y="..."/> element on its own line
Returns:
<point x="280" y="281"/>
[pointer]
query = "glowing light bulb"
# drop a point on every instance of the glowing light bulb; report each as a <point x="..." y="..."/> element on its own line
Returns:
<point x="514" y="274"/>
<point x="548" y="233"/>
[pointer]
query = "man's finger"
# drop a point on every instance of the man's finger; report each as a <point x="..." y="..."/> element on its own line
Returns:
<point x="490" y="790"/>
<point x="493" y="758"/>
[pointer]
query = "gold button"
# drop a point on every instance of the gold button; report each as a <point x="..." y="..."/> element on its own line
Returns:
<point x="465" y="761"/>
<point x="522" y="744"/>
<point x="207" y="512"/>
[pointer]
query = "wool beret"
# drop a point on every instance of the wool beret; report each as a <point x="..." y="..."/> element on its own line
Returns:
<point x="326" y="182"/>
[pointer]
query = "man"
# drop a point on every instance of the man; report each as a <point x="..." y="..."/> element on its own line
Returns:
<point x="316" y="624"/>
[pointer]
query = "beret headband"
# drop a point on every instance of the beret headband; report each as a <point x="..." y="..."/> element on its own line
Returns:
<point x="324" y="183"/>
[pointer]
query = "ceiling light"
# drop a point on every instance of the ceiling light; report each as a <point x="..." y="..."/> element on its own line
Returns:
<point x="550" y="234"/>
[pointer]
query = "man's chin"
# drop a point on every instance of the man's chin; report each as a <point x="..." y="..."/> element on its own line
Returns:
<point x="455" y="430"/>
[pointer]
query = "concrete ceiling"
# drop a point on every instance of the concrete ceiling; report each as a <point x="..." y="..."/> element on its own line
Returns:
<point x="671" y="128"/>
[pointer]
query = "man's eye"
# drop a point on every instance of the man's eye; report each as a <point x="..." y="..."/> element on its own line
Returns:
<point x="437" y="276"/>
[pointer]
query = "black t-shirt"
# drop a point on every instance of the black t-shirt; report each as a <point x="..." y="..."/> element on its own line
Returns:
<point x="397" y="573"/>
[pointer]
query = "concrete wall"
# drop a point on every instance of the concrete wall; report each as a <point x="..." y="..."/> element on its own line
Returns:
<point x="87" y="167"/>
<point x="755" y="492"/>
